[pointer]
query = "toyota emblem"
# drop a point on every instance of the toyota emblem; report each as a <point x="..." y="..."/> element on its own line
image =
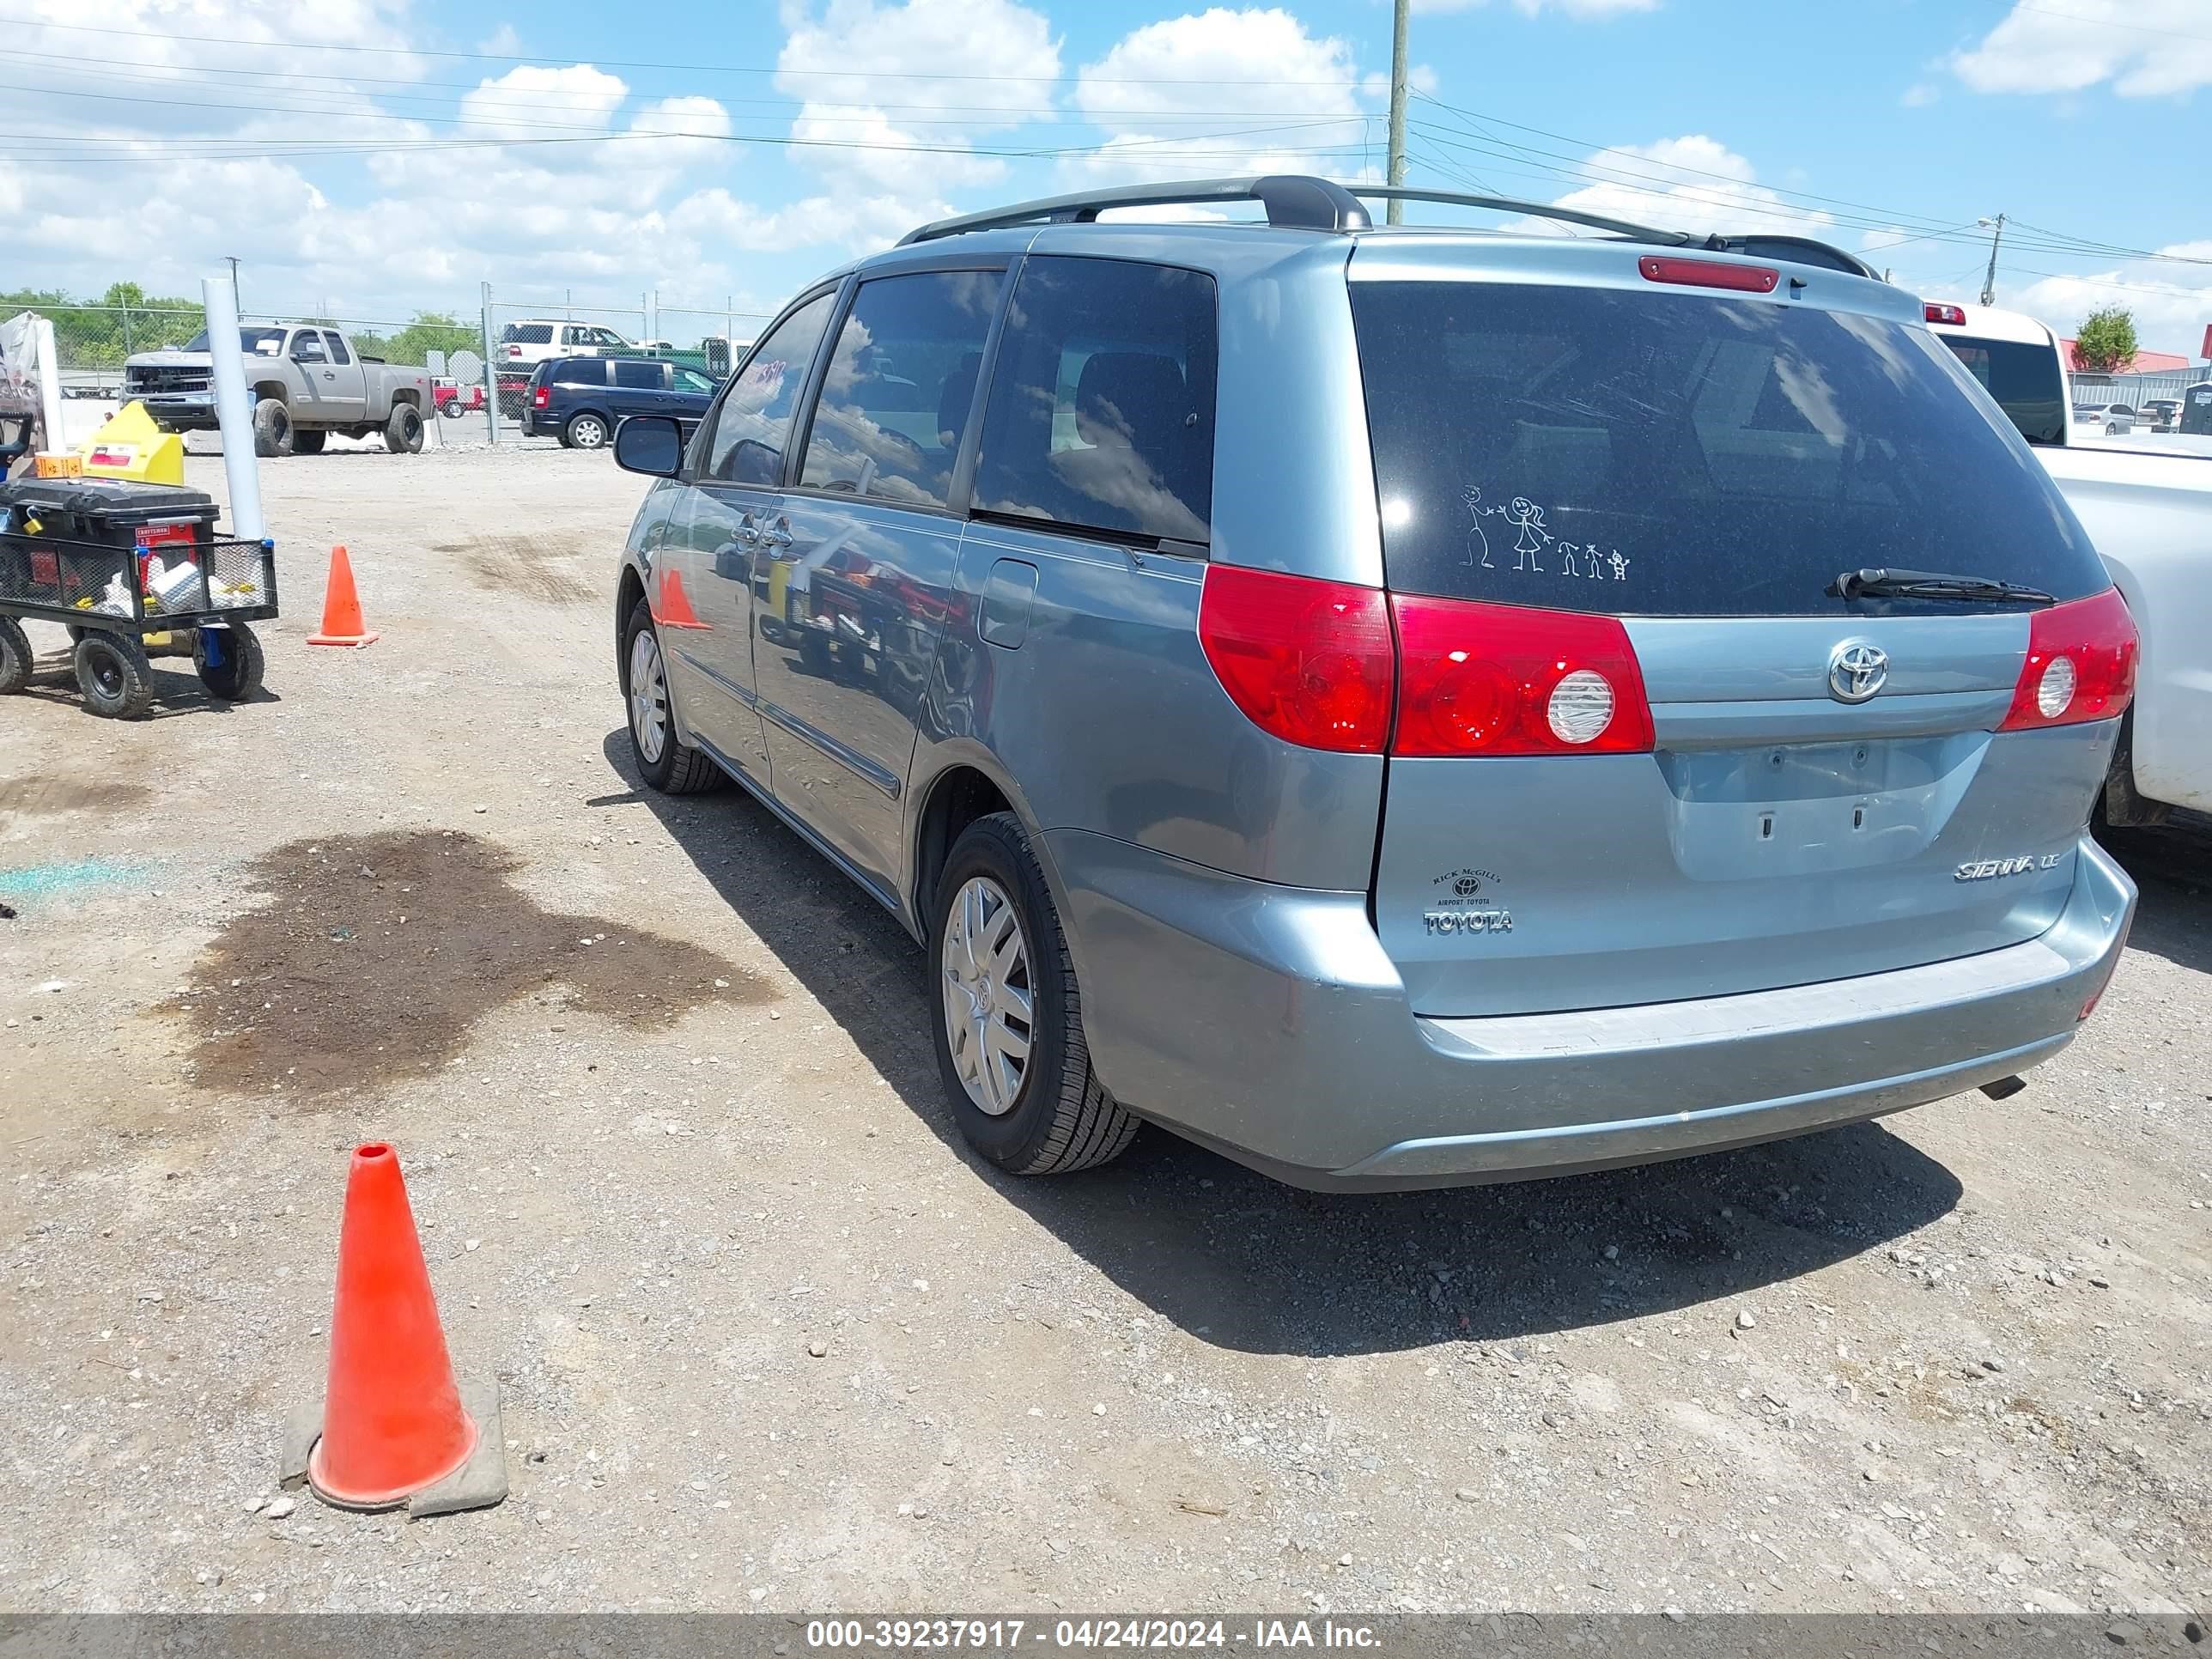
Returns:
<point x="1857" y="669"/>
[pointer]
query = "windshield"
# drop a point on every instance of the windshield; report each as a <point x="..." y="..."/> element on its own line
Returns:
<point x="2025" y="379"/>
<point x="254" y="342"/>
<point x="1665" y="454"/>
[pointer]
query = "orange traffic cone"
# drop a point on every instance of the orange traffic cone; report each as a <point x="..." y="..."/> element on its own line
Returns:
<point x="393" y="1427"/>
<point x="675" y="610"/>
<point x="342" y="619"/>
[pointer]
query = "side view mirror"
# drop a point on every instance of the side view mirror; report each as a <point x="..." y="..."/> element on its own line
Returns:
<point x="652" y="443"/>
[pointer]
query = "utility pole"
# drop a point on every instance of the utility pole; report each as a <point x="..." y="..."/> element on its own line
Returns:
<point x="1990" y="282"/>
<point x="1397" y="163"/>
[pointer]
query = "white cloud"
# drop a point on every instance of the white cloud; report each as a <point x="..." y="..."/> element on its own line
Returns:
<point x="863" y="70"/>
<point x="1224" y="92"/>
<point x="1693" y="183"/>
<point x="1530" y="8"/>
<point x="2145" y="48"/>
<point x="2171" y="305"/>
<point x="163" y="179"/>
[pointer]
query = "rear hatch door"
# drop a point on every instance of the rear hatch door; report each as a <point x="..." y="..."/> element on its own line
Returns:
<point x="1824" y="779"/>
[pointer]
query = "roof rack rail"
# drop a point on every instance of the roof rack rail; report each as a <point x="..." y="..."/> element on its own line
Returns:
<point x="1291" y="199"/>
<point x="1558" y="215"/>
<point x="1299" y="202"/>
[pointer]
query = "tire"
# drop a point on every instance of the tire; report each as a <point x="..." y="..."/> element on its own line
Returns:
<point x="272" y="429"/>
<point x="237" y="674"/>
<point x="14" y="656"/>
<point x="1052" y="1117"/>
<point x="669" y="765"/>
<point x="114" y="675"/>
<point x="308" y="443"/>
<point x="586" y="430"/>
<point x="402" y="432"/>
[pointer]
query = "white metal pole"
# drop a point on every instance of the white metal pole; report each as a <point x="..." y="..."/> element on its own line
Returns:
<point x="234" y="409"/>
<point x="49" y="383"/>
<point x="490" y="376"/>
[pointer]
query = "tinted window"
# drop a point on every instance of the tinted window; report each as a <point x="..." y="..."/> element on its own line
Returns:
<point x="2025" y="379"/>
<point x="580" y="371"/>
<point x="254" y="342"/>
<point x="639" y="377"/>
<point x="1597" y="449"/>
<point x="1101" y="412"/>
<point x="900" y="383"/>
<point x="337" y="347"/>
<point x="308" y="347"/>
<point x="526" y="334"/>
<point x="752" y="424"/>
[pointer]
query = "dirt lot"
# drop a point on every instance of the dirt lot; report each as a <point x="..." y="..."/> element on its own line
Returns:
<point x="659" y="1080"/>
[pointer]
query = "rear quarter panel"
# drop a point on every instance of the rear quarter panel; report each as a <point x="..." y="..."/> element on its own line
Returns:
<point x="1107" y="717"/>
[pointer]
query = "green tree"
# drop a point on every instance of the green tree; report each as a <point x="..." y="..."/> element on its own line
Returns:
<point x="2105" y="342"/>
<point x="431" y="330"/>
<point x="102" y="332"/>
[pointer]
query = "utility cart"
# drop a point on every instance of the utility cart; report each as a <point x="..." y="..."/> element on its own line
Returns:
<point x="133" y="571"/>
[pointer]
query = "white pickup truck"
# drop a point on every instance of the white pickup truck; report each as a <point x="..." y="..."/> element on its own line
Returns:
<point x="306" y="381"/>
<point x="2151" y="516"/>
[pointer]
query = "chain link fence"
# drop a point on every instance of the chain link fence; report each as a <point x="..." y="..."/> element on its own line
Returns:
<point x="481" y="363"/>
<point x="521" y="332"/>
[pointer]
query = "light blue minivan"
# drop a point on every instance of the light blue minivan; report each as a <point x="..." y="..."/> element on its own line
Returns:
<point x="1400" y="707"/>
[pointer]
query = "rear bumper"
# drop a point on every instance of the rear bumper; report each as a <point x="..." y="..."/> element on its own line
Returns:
<point x="1268" y="1023"/>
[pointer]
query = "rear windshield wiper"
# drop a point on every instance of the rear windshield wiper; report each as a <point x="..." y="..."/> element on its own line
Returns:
<point x="1931" y="584"/>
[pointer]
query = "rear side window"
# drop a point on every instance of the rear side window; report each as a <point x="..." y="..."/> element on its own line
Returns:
<point x="337" y="345"/>
<point x="900" y="382"/>
<point x="1101" y="411"/>
<point x="580" y="371"/>
<point x="526" y="334"/>
<point x="2025" y="379"/>
<point x="1668" y="454"/>
<point x="639" y="377"/>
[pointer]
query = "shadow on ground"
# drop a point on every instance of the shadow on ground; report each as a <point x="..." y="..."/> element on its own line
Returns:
<point x="1252" y="1265"/>
<point x="176" y="687"/>
<point x="2172" y="866"/>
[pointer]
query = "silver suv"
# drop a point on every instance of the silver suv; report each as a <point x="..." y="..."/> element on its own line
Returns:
<point x="1401" y="707"/>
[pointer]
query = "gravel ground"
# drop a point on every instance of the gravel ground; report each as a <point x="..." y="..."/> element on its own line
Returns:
<point x="769" y="1339"/>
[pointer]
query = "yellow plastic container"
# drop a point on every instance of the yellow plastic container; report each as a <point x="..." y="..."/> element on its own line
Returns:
<point x="130" y="446"/>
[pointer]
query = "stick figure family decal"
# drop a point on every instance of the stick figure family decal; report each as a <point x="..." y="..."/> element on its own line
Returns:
<point x="1586" y="560"/>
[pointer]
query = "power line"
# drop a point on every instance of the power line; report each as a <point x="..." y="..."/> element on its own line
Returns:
<point x="1589" y="171"/>
<point x="2103" y="22"/>
<point x="163" y="75"/>
<point x="637" y="130"/>
<point x="692" y="68"/>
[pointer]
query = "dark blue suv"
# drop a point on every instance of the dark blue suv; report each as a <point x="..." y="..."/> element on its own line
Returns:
<point x="581" y="400"/>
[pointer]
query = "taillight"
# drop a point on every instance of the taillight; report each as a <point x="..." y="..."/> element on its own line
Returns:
<point x="1709" y="273"/>
<point x="1942" y="314"/>
<point x="1500" y="680"/>
<point x="2081" y="664"/>
<point x="1307" y="660"/>
<point x="540" y="398"/>
<point x="514" y="351"/>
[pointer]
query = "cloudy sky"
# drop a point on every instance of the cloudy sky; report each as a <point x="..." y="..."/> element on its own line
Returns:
<point x="369" y="158"/>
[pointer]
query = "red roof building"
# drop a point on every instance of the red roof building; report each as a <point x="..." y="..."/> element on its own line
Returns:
<point x="2146" y="362"/>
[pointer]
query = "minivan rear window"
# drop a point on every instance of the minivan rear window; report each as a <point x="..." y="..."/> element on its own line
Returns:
<point x="2025" y="379"/>
<point x="1670" y="454"/>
